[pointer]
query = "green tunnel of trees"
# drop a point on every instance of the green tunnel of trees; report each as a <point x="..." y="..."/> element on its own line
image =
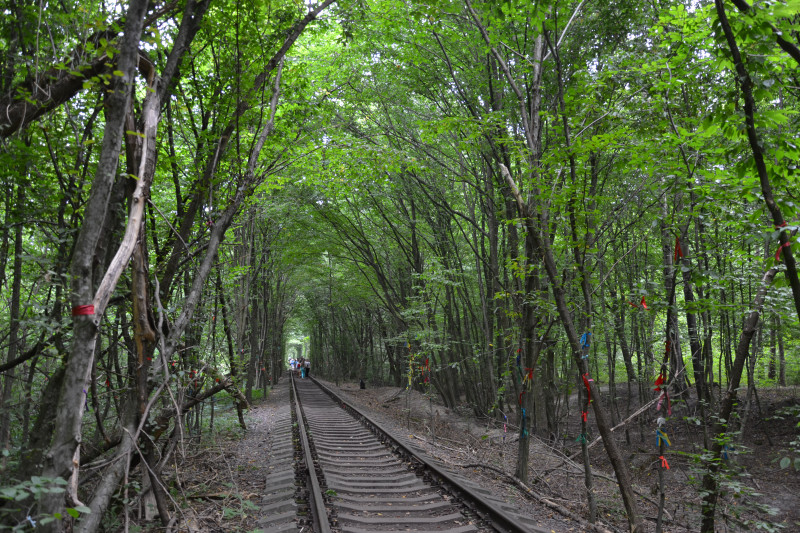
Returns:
<point x="487" y="200"/>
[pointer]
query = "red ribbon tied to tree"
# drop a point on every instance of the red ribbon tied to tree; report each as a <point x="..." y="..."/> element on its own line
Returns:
<point x="527" y="376"/>
<point x="664" y="463"/>
<point x="662" y="380"/>
<point x="81" y="310"/>
<point x="781" y="247"/>
<point x="586" y="381"/>
<point x="642" y="304"/>
<point x="585" y="416"/>
<point x="678" y="249"/>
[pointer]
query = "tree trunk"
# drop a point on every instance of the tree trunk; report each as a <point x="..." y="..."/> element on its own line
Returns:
<point x="781" y="356"/>
<point x="745" y="83"/>
<point x="710" y="479"/>
<point x="13" y="336"/>
<point x="61" y="459"/>
<point x="619" y="329"/>
<point x="615" y="457"/>
<point x="691" y="320"/>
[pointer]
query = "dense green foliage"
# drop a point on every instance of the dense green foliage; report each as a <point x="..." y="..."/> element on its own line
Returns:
<point x="364" y="186"/>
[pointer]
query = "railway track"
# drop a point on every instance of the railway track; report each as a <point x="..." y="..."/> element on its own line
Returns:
<point x="354" y="477"/>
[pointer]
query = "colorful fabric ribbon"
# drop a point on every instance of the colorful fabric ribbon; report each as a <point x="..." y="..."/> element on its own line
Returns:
<point x="781" y="247"/>
<point x="527" y="377"/>
<point x="661" y="436"/>
<point x="586" y="383"/>
<point x="664" y="396"/>
<point x="664" y="463"/>
<point x="586" y="339"/>
<point x="523" y="429"/>
<point x="585" y="416"/>
<point x="642" y="304"/>
<point x="678" y="250"/>
<point x="83" y="310"/>
<point x="583" y="438"/>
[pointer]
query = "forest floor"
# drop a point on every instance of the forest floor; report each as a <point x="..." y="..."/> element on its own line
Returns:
<point x="221" y="478"/>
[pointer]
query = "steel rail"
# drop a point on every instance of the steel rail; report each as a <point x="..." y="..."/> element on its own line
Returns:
<point x="319" y="513"/>
<point x="477" y="503"/>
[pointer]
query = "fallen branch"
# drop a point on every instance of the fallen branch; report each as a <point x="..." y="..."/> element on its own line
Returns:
<point x="539" y="498"/>
<point x="222" y="495"/>
<point x="641" y="410"/>
<point x="395" y="396"/>
<point x="426" y="441"/>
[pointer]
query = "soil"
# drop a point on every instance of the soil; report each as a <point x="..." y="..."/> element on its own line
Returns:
<point x="221" y="481"/>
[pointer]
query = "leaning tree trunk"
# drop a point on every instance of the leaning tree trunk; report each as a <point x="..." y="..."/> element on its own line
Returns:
<point x="759" y="157"/>
<point x="711" y="479"/>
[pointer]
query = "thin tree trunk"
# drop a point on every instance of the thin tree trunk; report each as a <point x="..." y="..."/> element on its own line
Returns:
<point x="691" y="321"/>
<point x="773" y="354"/>
<point x="781" y="356"/>
<point x="710" y="478"/>
<point x="757" y="149"/>
<point x="9" y="377"/>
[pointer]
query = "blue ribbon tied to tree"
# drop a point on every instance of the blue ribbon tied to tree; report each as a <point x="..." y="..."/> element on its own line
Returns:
<point x="586" y="341"/>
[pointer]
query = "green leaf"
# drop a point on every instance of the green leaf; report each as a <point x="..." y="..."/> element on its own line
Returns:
<point x="73" y="512"/>
<point x="785" y="462"/>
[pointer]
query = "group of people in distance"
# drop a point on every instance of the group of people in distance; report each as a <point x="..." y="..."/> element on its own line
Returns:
<point x="301" y="367"/>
